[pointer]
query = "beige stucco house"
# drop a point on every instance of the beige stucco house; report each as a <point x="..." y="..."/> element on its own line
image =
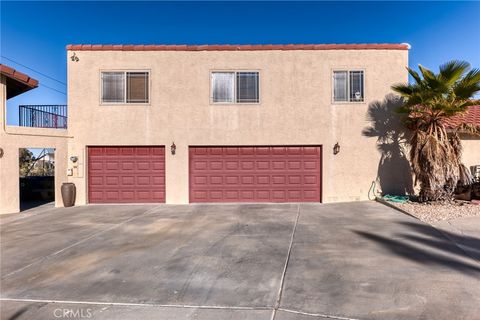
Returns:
<point x="233" y="123"/>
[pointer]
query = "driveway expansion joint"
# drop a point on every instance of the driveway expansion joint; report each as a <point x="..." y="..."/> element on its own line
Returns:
<point x="287" y="259"/>
<point x="319" y="315"/>
<point x="131" y="304"/>
<point x="185" y="306"/>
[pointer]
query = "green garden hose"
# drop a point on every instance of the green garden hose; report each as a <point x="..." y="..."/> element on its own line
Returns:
<point x="387" y="197"/>
<point x="397" y="199"/>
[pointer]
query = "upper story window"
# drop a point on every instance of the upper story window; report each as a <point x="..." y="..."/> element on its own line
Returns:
<point x="348" y="86"/>
<point x="125" y="87"/>
<point x="235" y="87"/>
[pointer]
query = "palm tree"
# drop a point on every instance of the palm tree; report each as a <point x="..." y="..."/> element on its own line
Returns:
<point x="428" y="102"/>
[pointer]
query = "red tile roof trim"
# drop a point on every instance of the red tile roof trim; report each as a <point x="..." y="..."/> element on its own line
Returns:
<point x="232" y="47"/>
<point x="471" y="118"/>
<point x="19" y="76"/>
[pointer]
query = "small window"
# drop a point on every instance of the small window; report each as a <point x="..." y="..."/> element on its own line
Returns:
<point x="348" y="86"/>
<point x="340" y="87"/>
<point x="125" y="87"/>
<point x="137" y="87"/>
<point x="223" y="84"/>
<point x="247" y="87"/>
<point x="113" y="87"/>
<point x="235" y="87"/>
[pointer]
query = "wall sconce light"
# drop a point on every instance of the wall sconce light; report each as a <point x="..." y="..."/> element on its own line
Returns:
<point x="74" y="57"/>
<point x="74" y="159"/>
<point x="336" y="149"/>
<point x="173" y="148"/>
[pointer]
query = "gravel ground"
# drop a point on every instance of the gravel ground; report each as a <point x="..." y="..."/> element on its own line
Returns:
<point x="431" y="213"/>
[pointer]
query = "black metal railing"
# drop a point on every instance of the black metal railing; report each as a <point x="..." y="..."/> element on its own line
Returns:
<point x="43" y="116"/>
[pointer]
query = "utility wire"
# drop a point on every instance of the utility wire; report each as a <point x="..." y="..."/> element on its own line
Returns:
<point x="42" y="85"/>
<point x="43" y="74"/>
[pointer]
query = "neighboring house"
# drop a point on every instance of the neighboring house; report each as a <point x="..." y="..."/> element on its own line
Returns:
<point x="470" y="143"/>
<point x="231" y="123"/>
<point x="36" y="130"/>
<point x="44" y="165"/>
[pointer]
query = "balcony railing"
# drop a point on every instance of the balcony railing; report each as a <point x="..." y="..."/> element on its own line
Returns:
<point x="43" y="116"/>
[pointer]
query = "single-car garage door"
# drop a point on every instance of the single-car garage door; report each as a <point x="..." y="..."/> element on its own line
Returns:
<point x="126" y="174"/>
<point x="255" y="174"/>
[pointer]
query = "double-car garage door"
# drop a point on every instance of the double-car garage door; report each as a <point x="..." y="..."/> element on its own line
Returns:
<point x="216" y="174"/>
<point x="255" y="174"/>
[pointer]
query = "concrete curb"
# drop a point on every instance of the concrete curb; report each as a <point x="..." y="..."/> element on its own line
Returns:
<point x="388" y="204"/>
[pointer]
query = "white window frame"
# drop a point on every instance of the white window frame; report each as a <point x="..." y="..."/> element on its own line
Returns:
<point x="348" y="70"/>
<point x="234" y="87"/>
<point x="124" y="102"/>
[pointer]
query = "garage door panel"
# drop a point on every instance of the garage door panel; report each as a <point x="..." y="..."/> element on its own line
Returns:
<point x="245" y="195"/>
<point x="263" y="165"/>
<point x="158" y="195"/>
<point x="112" y="181"/>
<point x="111" y="165"/>
<point x="294" y="179"/>
<point x="143" y="165"/>
<point x="247" y="165"/>
<point x="295" y="194"/>
<point x="216" y="165"/>
<point x="126" y="174"/>
<point x="255" y="174"/>
<point x="310" y="180"/>
<point x="158" y="165"/>
<point x="97" y="181"/>
<point x="200" y="165"/>
<point x="310" y="165"/>
<point x="265" y="151"/>
<point x="112" y="151"/>
<point x="230" y="151"/>
<point x="128" y="165"/>
<point x="128" y="181"/>
<point x="127" y="195"/>
<point x="159" y="180"/>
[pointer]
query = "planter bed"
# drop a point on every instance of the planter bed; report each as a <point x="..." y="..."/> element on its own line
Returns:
<point x="434" y="212"/>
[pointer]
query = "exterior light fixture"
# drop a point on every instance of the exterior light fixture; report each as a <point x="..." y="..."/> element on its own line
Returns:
<point x="74" y="57"/>
<point x="173" y="148"/>
<point x="74" y="159"/>
<point x="336" y="149"/>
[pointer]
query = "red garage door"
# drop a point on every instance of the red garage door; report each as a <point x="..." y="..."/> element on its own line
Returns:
<point x="126" y="174"/>
<point x="255" y="174"/>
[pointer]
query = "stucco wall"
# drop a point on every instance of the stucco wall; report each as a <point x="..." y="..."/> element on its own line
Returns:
<point x="295" y="108"/>
<point x="11" y="140"/>
<point x="471" y="150"/>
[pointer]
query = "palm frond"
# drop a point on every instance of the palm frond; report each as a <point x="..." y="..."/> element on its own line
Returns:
<point x="426" y="73"/>
<point x="452" y="71"/>
<point x="414" y="75"/>
<point x="405" y="90"/>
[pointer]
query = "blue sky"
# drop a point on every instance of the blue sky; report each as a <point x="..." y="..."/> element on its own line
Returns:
<point x="35" y="33"/>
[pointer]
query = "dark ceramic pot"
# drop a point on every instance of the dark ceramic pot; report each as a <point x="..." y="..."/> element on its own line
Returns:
<point x="68" y="194"/>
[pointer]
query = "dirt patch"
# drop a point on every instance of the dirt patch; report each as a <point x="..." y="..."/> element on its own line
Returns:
<point x="433" y="212"/>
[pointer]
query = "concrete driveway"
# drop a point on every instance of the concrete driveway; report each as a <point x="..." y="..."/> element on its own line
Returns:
<point x="358" y="260"/>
